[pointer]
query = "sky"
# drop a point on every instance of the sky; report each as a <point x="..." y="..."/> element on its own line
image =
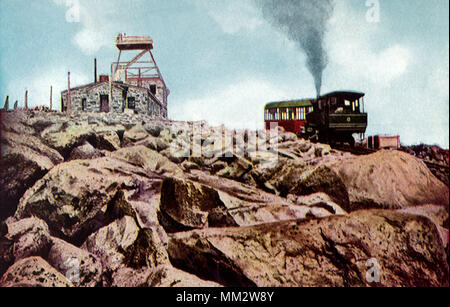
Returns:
<point x="222" y="61"/>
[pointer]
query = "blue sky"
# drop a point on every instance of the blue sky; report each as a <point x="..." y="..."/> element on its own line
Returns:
<point x="223" y="62"/>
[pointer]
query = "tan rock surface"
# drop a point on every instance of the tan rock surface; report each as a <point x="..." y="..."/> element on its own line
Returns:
<point x="326" y="252"/>
<point x="390" y="180"/>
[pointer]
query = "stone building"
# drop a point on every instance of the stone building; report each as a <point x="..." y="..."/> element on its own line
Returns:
<point x="117" y="97"/>
<point x="137" y="85"/>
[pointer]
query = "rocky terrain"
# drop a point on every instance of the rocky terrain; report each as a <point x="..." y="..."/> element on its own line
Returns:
<point x="433" y="154"/>
<point x="106" y="200"/>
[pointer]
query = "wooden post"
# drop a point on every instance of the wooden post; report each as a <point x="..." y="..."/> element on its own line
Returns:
<point x="6" y="106"/>
<point x="95" y="70"/>
<point x="68" y="95"/>
<point x="26" y="100"/>
<point x="51" y="97"/>
<point x="110" y="93"/>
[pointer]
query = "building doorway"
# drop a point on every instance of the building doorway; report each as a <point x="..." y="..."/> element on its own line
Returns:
<point x="104" y="103"/>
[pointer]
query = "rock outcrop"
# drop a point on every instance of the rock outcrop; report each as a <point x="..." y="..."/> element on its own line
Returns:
<point x="25" y="159"/>
<point x="33" y="272"/>
<point x="390" y="180"/>
<point x="125" y="247"/>
<point x="70" y="260"/>
<point x="78" y="197"/>
<point x="31" y="237"/>
<point x="123" y="200"/>
<point x="334" y="251"/>
<point x="187" y="205"/>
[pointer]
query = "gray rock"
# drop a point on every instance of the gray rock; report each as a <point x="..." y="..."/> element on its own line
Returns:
<point x="123" y="244"/>
<point x="334" y="251"/>
<point x="31" y="238"/>
<point x="25" y="160"/>
<point x="390" y="180"/>
<point x="82" y="268"/>
<point x="79" y="197"/>
<point x="85" y="152"/>
<point x="33" y="272"/>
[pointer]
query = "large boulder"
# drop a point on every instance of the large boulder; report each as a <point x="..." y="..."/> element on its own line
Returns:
<point x="135" y="134"/>
<point x="64" y="137"/>
<point x="390" y="180"/>
<point x="321" y="180"/>
<point x="153" y="143"/>
<point x="6" y="249"/>
<point x="107" y="242"/>
<point x="164" y="276"/>
<point x="125" y="277"/>
<point x="85" y="152"/>
<point x="236" y="169"/>
<point x="31" y="237"/>
<point x="318" y="200"/>
<point x="33" y="272"/>
<point x="186" y="204"/>
<point x="15" y="122"/>
<point x="84" y="268"/>
<point x="24" y="160"/>
<point x="437" y="214"/>
<point x="167" y="276"/>
<point x="148" y="159"/>
<point x="301" y="179"/>
<point x="243" y="213"/>
<point x="79" y="197"/>
<point x="123" y="244"/>
<point x="341" y="251"/>
<point x="108" y="137"/>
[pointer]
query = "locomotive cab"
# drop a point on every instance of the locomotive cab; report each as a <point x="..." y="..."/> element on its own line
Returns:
<point x="336" y="117"/>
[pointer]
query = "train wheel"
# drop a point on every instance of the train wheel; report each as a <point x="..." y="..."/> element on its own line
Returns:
<point x="351" y="141"/>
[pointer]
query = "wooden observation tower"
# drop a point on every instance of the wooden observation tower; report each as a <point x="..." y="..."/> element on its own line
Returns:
<point x="138" y="71"/>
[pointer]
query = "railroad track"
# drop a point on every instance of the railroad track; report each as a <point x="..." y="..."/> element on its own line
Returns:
<point x="357" y="150"/>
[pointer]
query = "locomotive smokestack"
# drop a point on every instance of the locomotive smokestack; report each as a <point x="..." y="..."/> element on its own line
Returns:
<point x="304" y="22"/>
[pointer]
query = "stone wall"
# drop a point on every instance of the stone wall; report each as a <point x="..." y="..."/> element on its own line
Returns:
<point x="88" y="99"/>
<point x="161" y="92"/>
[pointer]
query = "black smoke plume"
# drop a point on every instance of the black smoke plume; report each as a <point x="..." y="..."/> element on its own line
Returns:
<point x="304" y="22"/>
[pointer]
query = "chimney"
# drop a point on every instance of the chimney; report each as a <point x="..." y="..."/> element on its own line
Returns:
<point x="104" y="78"/>
<point x="95" y="70"/>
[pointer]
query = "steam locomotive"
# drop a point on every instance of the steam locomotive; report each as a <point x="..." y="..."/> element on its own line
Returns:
<point x="331" y="118"/>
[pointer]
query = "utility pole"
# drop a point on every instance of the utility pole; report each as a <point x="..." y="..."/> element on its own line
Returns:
<point x="51" y="97"/>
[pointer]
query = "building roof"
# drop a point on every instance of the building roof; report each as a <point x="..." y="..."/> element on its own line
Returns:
<point x="345" y="94"/>
<point x="290" y="104"/>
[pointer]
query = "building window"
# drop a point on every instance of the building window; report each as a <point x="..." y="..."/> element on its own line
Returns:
<point x="83" y="104"/>
<point x="153" y="89"/>
<point x="131" y="103"/>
